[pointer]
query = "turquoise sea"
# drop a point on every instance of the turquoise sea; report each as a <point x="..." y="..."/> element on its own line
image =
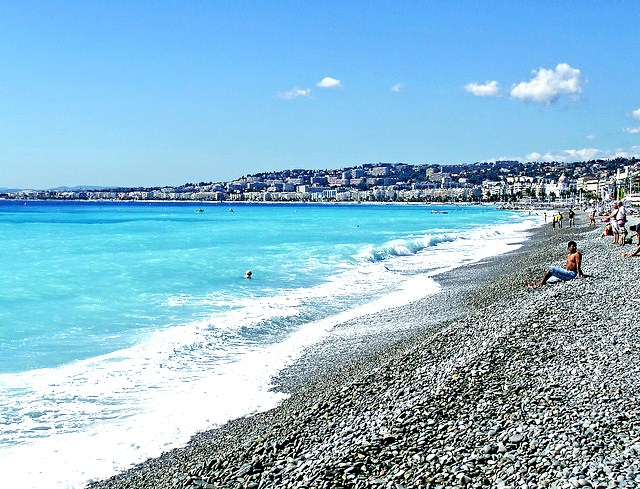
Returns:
<point x="127" y="327"/>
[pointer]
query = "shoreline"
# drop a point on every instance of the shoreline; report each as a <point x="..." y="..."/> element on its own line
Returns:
<point x="500" y="205"/>
<point x="493" y="390"/>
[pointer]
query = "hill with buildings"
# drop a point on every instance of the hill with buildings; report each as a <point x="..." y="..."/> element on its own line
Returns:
<point x="504" y="181"/>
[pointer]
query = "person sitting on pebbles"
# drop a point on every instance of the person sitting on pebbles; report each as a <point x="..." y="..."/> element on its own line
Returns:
<point x="636" y="229"/>
<point x="635" y="252"/>
<point x="573" y="268"/>
<point x="623" y="233"/>
<point x="608" y="231"/>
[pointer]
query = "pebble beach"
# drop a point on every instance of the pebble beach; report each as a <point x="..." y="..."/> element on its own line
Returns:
<point x="486" y="384"/>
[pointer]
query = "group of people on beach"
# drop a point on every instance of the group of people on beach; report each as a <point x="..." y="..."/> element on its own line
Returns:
<point x="556" y="219"/>
<point x="616" y="225"/>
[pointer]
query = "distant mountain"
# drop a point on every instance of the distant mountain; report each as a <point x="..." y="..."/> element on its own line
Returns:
<point x="80" y="188"/>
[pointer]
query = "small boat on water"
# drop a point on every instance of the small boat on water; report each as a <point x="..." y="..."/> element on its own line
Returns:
<point x="439" y="212"/>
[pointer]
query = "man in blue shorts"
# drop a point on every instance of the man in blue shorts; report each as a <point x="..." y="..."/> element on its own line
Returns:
<point x="572" y="268"/>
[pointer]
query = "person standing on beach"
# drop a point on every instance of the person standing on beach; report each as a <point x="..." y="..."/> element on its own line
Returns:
<point x="614" y="223"/>
<point x="621" y="216"/>
<point x="573" y="268"/>
<point x="571" y="216"/>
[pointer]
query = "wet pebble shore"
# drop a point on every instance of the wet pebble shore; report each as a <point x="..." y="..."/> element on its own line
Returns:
<point x="503" y="386"/>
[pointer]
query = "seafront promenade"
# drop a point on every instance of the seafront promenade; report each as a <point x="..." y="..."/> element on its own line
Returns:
<point x="487" y="384"/>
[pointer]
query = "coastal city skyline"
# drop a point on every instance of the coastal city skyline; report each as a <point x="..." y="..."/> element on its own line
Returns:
<point x="143" y="95"/>
<point x="505" y="181"/>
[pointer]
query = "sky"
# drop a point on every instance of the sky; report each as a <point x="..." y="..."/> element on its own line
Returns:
<point x="154" y="93"/>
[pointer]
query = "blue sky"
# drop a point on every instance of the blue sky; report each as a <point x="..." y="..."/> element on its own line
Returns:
<point x="121" y="93"/>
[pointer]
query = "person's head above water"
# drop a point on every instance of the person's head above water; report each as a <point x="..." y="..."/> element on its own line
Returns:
<point x="247" y="274"/>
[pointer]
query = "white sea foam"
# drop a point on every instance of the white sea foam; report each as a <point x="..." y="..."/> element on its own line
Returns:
<point x="92" y="418"/>
<point x="141" y="401"/>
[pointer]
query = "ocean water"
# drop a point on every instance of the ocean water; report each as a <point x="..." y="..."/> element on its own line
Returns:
<point x="125" y="328"/>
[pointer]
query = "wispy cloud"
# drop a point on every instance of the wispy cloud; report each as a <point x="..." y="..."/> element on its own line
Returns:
<point x="548" y="85"/>
<point x="328" y="82"/>
<point x="295" y="93"/>
<point x="487" y="89"/>
<point x="398" y="87"/>
<point x="633" y="130"/>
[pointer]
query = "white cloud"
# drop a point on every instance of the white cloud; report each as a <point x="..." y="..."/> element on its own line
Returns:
<point x="488" y="89"/>
<point x="295" y="93"/>
<point x="634" y="152"/>
<point x="549" y="84"/>
<point x="566" y="155"/>
<point x="328" y="82"/>
<point x="397" y="87"/>
<point x="591" y="137"/>
<point x="584" y="154"/>
<point x="633" y="130"/>
<point x="636" y="114"/>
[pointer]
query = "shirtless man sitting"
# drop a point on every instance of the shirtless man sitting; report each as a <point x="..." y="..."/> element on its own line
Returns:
<point x="572" y="268"/>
